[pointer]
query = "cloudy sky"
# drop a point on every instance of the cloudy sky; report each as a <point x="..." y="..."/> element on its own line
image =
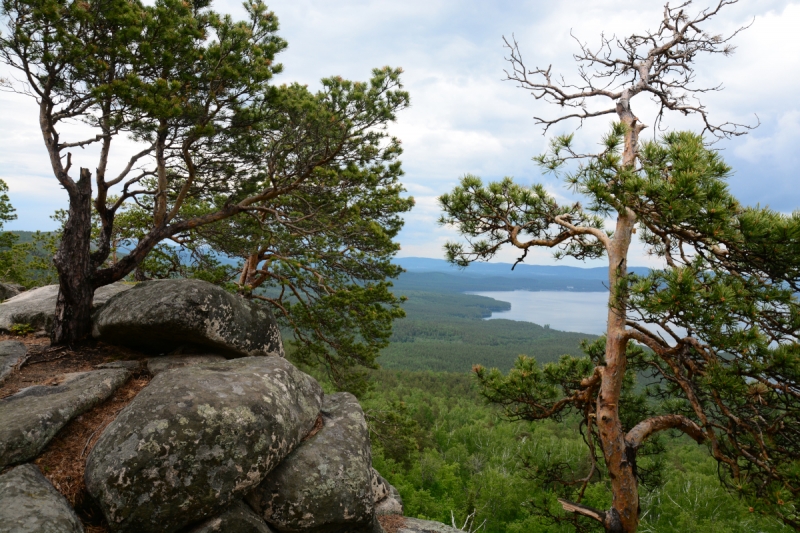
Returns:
<point x="465" y="119"/>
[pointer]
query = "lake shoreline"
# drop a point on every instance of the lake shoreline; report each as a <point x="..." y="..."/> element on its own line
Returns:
<point x="564" y="310"/>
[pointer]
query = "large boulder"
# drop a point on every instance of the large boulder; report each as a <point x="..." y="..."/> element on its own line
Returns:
<point x="239" y="518"/>
<point x="159" y="316"/>
<point x="9" y="290"/>
<point x="30" y="504"/>
<point x="196" y="439"/>
<point x="37" y="307"/>
<point x="325" y="484"/>
<point x="11" y="354"/>
<point x="31" y="418"/>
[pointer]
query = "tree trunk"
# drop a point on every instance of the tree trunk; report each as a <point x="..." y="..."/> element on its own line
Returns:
<point x="620" y="459"/>
<point x="72" y="321"/>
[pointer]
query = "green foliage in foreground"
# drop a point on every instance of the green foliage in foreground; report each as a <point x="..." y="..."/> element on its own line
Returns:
<point x="446" y="332"/>
<point x="446" y="450"/>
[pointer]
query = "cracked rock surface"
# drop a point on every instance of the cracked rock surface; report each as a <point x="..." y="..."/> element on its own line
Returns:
<point x="196" y="439"/>
<point x="37" y="307"/>
<point x="325" y="485"/>
<point x="239" y="518"/>
<point x="160" y="316"/>
<point x="31" y="418"/>
<point x="30" y="504"/>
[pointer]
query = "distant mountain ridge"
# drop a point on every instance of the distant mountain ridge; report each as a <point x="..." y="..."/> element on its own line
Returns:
<point x="426" y="264"/>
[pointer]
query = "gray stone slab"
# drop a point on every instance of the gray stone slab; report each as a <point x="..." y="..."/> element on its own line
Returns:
<point x="11" y="354"/>
<point x="36" y="307"/>
<point x="325" y="484"/>
<point x="33" y="416"/>
<point x="127" y="365"/>
<point x="389" y="506"/>
<point x="386" y="497"/>
<point x="9" y="290"/>
<point x="156" y="365"/>
<point x="30" y="504"/>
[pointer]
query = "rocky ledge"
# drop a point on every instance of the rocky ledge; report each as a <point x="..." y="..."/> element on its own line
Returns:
<point x="229" y="437"/>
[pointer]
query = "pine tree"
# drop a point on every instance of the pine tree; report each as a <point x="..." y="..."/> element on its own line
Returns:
<point x="193" y="87"/>
<point x="715" y="331"/>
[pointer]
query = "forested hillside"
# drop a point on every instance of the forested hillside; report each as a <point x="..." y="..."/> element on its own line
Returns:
<point x="446" y="332"/>
<point x="452" y="452"/>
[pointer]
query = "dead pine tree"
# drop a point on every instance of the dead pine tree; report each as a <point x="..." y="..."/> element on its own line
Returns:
<point x="724" y="352"/>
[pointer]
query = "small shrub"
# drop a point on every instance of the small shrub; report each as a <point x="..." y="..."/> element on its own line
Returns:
<point x="21" y="329"/>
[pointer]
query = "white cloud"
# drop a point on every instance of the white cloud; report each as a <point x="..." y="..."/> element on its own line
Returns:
<point x="780" y="145"/>
<point x="465" y="119"/>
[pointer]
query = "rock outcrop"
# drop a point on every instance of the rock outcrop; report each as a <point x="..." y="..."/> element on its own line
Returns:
<point x="160" y="316"/>
<point x="227" y="437"/>
<point x="11" y="354"/>
<point x="133" y="366"/>
<point x="33" y="416"/>
<point x="325" y="484"/>
<point x="36" y="307"/>
<point x="30" y="504"/>
<point x="196" y="439"/>
<point x="239" y="518"/>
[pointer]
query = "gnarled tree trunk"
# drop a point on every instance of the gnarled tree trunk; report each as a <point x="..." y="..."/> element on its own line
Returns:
<point x="72" y="321"/>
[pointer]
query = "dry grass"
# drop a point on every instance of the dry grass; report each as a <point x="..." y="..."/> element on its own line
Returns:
<point x="44" y="363"/>
<point x="63" y="462"/>
<point x="391" y="522"/>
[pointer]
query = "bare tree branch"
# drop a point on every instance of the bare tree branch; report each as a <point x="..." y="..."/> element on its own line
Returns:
<point x="659" y="63"/>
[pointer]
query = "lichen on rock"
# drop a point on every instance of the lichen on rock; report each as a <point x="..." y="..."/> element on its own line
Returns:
<point x="160" y="316"/>
<point x="11" y="354"/>
<point x="33" y="416"/>
<point x="30" y="504"/>
<point x="239" y="518"/>
<point x="196" y="439"/>
<point x="325" y="485"/>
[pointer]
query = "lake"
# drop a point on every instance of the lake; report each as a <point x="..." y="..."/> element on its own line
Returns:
<point x="583" y="312"/>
